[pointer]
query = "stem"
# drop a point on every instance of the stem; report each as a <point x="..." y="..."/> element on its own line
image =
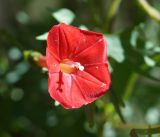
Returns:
<point x="113" y="8"/>
<point x="129" y="126"/>
<point x="116" y="102"/>
<point x="140" y="129"/>
<point x="89" y="110"/>
<point x="130" y="85"/>
<point x="148" y="131"/>
<point x="150" y="11"/>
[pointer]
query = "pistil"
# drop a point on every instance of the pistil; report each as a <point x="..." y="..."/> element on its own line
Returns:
<point x="69" y="66"/>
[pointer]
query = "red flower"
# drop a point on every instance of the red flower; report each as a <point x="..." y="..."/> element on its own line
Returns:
<point x="77" y="65"/>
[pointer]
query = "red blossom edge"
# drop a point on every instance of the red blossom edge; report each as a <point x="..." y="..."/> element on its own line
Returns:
<point x="77" y="65"/>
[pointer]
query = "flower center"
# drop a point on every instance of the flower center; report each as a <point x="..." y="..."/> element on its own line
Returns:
<point x="69" y="66"/>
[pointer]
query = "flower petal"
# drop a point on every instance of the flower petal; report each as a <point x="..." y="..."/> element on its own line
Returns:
<point x="93" y="54"/>
<point x="53" y="42"/>
<point x="68" y="41"/>
<point x="75" y="90"/>
<point x="79" y="39"/>
<point x="57" y="42"/>
<point x="99" y="71"/>
<point x="92" y="87"/>
<point x="52" y="62"/>
<point x="69" y="95"/>
<point x="55" y="92"/>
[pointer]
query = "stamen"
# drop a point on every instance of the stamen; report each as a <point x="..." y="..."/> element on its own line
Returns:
<point x="69" y="66"/>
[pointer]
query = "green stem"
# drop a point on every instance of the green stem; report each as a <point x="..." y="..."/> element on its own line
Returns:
<point x="148" y="131"/>
<point x="89" y="110"/>
<point x="130" y="85"/>
<point x="116" y="102"/>
<point x="150" y="11"/>
<point x="113" y="8"/>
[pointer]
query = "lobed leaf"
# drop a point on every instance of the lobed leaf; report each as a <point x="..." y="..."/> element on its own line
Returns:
<point x="64" y="15"/>
<point x="115" y="49"/>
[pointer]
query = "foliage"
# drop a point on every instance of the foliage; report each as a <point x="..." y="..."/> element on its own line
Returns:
<point x="132" y="33"/>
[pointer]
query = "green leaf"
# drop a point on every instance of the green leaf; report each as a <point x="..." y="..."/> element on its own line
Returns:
<point x="114" y="47"/>
<point x="110" y="67"/>
<point x="134" y="37"/>
<point x="56" y="103"/>
<point x="156" y="49"/>
<point x="149" y="45"/>
<point x="64" y="15"/>
<point x="150" y="62"/>
<point x="42" y="36"/>
<point x="83" y="27"/>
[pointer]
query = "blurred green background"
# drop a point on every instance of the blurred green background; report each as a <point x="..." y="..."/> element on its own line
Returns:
<point x="132" y="31"/>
